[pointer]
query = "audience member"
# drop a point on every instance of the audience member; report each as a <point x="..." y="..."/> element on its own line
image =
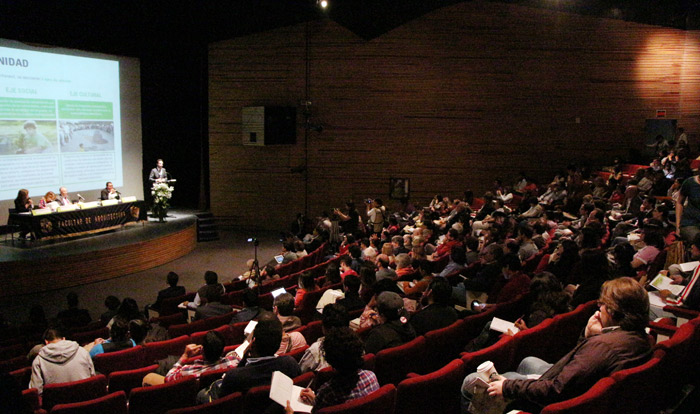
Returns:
<point x="60" y="361"/>
<point x="112" y="304"/>
<point x="118" y="339"/>
<point x="210" y="355"/>
<point x="614" y="340"/>
<point x="438" y="313"/>
<point x="172" y="291"/>
<point x="393" y="328"/>
<point x="351" y="289"/>
<point x="74" y="317"/>
<point x="334" y="316"/>
<point x="212" y="283"/>
<point x="343" y="351"/>
<point x="250" y="309"/>
<point x="283" y="307"/>
<point x="258" y="363"/>
<point x="212" y="305"/>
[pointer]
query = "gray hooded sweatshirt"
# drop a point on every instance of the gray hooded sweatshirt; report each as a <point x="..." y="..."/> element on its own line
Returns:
<point x="62" y="361"/>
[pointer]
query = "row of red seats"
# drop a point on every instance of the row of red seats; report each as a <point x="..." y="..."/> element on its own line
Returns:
<point x="91" y="395"/>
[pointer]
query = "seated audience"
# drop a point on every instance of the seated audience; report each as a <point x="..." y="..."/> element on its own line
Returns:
<point x="438" y="313"/>
<point x="212" y="283"/>
<point x="383" y="269"/>
<point x="118" y="339"/>
<point x="614" y="339"/>
<point x="258" y="363"/>
<point x="112" y="304"/>
<point x="73" y="317"/>
<point x="334" y="316"/>
<point x="307" y="284"/>
<point x="60" y="361"/>
<point x="343" y="350"/>
<point x="283" y="307"/>
<point x="351" y="290"/>
<point x="172" y="291"/>
<point x="346" y="267"/>
<point x="210" y="355"/>
<point x="211" y="306"/>
<point x="332" y="275"/>
<point x="250" y="309"/>
<point x="393" y="328"/>
<point x="128" y="310"/>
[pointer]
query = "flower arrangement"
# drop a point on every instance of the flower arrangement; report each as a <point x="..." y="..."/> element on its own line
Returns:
<point x="162" y="193"/>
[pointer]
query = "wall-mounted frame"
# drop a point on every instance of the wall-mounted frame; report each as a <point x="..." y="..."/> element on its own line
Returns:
<point x="399" y="188"/>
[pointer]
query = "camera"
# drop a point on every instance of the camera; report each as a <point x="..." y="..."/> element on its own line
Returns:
<point x="369" y="201"/>
<point x="254" y="241"/>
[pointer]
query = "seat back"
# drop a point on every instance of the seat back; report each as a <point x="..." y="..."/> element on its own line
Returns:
<point x="444" y="345"/>
<point x="161" y="398"/>
<point x="381" y="401"/>
<point x="257" y="399"/>
<point x="169" y="306"/>
<point x="592" y="401"/>
<point x="123" y="360"/>
<point x="70" y="392"/>
<point x="173" y="319"/>
<point x="314" y="330"/>
<point x="127" y="380"/>
<point x="230" y="404"/>
<point x="187" y="328"/>
<point x="306" y="310"/>
<point x="535" y="342"/>
<point x="297" y="353"/>
<point x="500" y="353"/>
<point x="30" y="398"/>
<point x="22" y="376"/>
<point x="208" y="377"/>
<point x="391" y="365"/>
<point x="219" y="320"/>
<point x="114" y="403"/>
<point x="436" y="392"/>
<point x="162" y="349"/>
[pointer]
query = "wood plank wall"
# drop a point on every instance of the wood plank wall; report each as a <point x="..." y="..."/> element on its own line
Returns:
<point x="44" y="274"/>
<point x="451" y="100"/>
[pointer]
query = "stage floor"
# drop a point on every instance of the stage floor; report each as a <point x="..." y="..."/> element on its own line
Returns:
<point x="36" y="266"/>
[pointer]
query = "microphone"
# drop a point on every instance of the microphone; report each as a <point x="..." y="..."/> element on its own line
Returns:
<point x="81" y="198"/>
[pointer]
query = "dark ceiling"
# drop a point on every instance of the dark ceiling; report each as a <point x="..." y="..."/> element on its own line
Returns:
<point x="133" y="27"/>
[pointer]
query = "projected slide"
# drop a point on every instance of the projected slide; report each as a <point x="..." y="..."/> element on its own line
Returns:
<point x="59" y="123"/>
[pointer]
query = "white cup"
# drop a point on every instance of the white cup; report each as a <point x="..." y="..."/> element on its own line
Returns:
<point x="487" y="371"/>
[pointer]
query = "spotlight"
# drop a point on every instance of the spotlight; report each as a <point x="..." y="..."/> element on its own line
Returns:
<point x="322" y="3"/>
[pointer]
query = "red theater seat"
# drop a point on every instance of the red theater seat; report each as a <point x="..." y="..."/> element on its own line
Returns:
<point x="124" y="360"/>
<point x="230" y="404"/>
<point x="437" y="392"/>
<point x="381" y="401"/>
<point x="127" y="380"/>
<point x="70" y="392"/>
<point x="161" y="398"/>
<point x="114" y="403"/>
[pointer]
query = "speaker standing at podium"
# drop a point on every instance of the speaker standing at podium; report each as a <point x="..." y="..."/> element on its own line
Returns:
<point x="158" y="174"/>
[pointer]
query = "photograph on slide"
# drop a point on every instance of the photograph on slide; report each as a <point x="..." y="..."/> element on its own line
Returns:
<point x="83" y="136"/>
<point x="27" y="136"/>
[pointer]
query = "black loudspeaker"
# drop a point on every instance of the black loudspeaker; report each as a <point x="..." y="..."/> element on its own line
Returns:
<point x="269" y="125"/>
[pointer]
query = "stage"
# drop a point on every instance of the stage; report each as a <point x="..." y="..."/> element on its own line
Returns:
<point x="38" y="266"/>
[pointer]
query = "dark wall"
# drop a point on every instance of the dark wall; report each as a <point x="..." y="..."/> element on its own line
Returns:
<point x="174" y="96"/>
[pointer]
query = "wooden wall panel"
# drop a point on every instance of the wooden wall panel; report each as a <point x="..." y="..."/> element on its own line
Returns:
<point x="44" y="274"/>
<point x="450" y="100"/>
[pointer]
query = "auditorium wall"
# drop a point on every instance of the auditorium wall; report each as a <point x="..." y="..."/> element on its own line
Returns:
<point x="450" y="100"/>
